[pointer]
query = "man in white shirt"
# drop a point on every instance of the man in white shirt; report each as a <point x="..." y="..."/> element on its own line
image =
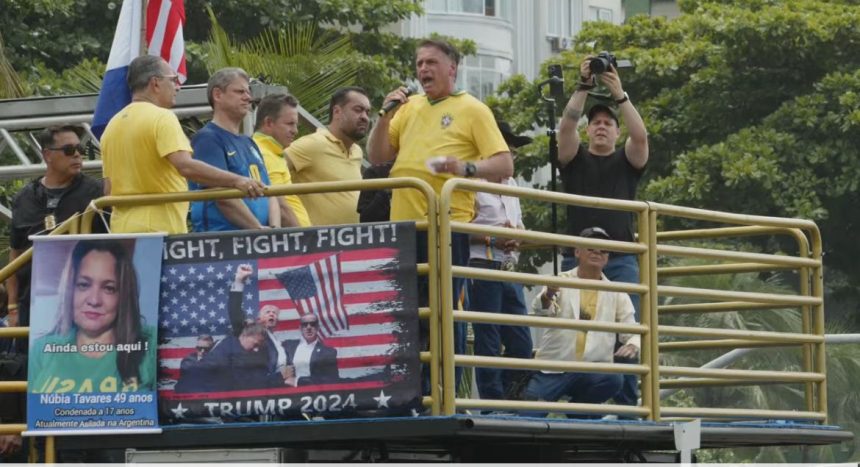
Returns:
<point x="313" y="361"/>
<point x="570" y="345"/>
<point x="486" y="252"/>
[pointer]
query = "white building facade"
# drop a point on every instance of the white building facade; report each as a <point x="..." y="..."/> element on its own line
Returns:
<point x="513" y="36"/>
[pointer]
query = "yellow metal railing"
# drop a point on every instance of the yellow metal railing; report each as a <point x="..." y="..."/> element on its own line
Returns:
<point x="83" y="224"/>
<point x="649" y="247"/>
<point x="70" y="225"/>
<point x="450" y="360"/>
<point x="430" y="312"/>
<point x="809" y="299"/>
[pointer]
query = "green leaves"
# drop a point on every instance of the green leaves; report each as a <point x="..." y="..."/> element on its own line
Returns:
<point x="311" y="63"/>
<point x="751" y="107"/>
<point x="11" y="85"/>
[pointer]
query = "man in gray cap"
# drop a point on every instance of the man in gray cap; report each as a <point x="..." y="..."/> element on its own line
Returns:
<point x="569" y="345"/>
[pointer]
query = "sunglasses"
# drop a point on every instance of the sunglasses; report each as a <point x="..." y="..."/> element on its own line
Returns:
<point x="70" y="149"/>
<point x="203" y="349"/>
<point x="599" y="252"/>
<point x="311" y="324"/>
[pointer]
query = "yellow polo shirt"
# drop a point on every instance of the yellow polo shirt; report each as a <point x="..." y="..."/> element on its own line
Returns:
<point x="458" y="125"/>
<point x="134" y="147"/>
<point x="279" y="174"/>
<point x="321" y="157"/>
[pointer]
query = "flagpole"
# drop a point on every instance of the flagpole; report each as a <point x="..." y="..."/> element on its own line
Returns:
<point x="144" y="47"/>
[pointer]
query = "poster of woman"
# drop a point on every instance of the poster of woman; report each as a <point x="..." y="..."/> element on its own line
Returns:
<point x="93" y="335"/>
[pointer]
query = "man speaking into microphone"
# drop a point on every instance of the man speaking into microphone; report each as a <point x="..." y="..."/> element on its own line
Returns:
<point x="435" y="136"/>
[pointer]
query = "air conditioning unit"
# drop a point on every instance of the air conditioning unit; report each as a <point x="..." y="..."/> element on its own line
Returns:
<point x="560" y="43"/>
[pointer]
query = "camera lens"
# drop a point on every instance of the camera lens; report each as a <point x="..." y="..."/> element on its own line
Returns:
<point x="598" y="65"/>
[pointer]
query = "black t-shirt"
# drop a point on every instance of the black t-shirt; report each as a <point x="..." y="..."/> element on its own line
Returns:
<point x="31" y="205"/>
<point x="375" y="205"/>
<point x="609" y="176"/>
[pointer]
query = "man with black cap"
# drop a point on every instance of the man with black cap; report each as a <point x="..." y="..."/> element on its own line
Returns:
<point x="494" y="296"/>
<point x="600" y="169"/>
<point x="568" y="345"/>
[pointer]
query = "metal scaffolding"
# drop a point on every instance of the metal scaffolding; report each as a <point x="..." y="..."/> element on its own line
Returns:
<point x="22" y="119"/>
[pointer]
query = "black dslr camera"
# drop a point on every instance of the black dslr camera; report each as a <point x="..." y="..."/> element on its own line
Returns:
<point x="602" y="62"/>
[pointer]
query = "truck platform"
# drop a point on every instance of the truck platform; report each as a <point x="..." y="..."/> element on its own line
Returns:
<point x="459" y="438"/>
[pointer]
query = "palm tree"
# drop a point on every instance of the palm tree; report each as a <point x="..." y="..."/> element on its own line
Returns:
<point x="11" y="85"/>
<point x="311" y="63"/>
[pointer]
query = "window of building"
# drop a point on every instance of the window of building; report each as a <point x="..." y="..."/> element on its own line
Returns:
<point x="558" y="18"/>
<point x="490" y="8"/>
<point x="495" y="8"/>
<point x="600" y="14"/>
<point x="472" y="6"/>
<point x="435" y="5"/>
<point x="481" y="75"/>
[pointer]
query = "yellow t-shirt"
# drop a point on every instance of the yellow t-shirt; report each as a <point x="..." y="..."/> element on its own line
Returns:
<point x="134" y="147"/>
<point x="587" y="311"/>
<point x="321" y="157"/>
<point x="279" y="174"/>
<point x="458" y="125"/>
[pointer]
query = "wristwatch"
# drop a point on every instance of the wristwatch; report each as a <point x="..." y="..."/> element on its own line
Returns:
<point x="471" y="169"/>
<point x="623" y="99"/>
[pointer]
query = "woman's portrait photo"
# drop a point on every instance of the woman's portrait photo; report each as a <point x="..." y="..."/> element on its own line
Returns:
<point x="94" y="315"/>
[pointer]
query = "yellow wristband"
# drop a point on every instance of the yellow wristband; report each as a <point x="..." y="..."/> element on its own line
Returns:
<point x="13" y="306"/>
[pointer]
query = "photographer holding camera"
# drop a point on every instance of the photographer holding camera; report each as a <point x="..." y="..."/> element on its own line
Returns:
<point x="600" y="169"/>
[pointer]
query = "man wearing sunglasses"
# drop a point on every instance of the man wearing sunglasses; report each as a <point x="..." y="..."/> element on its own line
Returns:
<point x="46" y="202"/>
<point x="569" y="345"/>
<point x="190" y="368"/>
<point x="313" y="361"/>
<point x="235" y="363"/>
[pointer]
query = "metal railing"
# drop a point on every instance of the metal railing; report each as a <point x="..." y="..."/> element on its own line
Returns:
<point x="83" y="223"/>
<point x="450" y="360"/>
<point x="69" y="226"/>
<point x="649" y="247"/>
<point x="429" y="313"/>
<point x="654" y="375"/>
<point x="808" y="299"/>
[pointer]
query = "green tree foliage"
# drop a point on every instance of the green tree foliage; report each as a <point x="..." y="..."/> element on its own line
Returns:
<point x="382" y="58"/>
<point x="311" y="65"/>
<point x="60" y="34"/>
<point x="247" y="18"/>
<point x="11" y="85"/>
<point x="751" y="107"/>
<point x="56" y="34"/>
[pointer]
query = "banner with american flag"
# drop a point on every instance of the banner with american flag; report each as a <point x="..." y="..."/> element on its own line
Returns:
<point x="321" y="321"/>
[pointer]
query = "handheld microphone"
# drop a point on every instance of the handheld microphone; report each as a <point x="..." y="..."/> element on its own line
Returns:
<point x="411" y="89"/>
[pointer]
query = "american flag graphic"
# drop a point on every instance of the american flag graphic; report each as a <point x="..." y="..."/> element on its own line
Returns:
<point x="164" y="22"/>
<point x="316" y="289"/>
<point x="194" y="299"/>
<point x="363" y="319"/>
